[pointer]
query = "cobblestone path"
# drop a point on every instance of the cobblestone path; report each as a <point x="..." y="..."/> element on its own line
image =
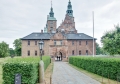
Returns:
<point x="65" y="74"/>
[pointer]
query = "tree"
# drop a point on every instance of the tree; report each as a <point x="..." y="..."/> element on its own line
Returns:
<point x="17" y="45"/>
<point x="98" y="50"/>
<point x="4" y="49"/>
<point x="11" y="52"/>
<point x="111" y="41"/>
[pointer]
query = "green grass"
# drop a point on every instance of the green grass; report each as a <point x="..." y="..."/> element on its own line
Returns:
<point x="16" y="59"/>
<point x="1" y="61"/>
<point x="101" y="79"/>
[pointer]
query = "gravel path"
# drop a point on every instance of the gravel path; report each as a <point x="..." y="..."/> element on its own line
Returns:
<point x="65" y="74"/>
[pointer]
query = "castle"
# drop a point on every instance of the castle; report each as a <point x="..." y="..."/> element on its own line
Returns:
<point x="63" y="41"/>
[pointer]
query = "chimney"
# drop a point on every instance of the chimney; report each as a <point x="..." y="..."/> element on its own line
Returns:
<point x="41" y="31"/>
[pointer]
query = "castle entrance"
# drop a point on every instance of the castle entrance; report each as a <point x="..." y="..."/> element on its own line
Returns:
<point x="59" y="56"/>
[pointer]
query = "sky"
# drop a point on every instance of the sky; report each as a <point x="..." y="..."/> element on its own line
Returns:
<point x="19" y="18"/>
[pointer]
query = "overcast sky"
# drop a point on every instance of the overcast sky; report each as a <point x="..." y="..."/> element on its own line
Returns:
<point x="18" y="18"/>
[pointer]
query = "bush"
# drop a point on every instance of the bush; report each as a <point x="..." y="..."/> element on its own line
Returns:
<point x="47" y="61"/>
<point x="27" y="67"/>
<point x="106" y="67"/>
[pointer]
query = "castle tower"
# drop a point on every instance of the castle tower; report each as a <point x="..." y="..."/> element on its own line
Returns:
<point x="68" y="25"/>
<point x="69" y="9"/>
<point x="51" y="22"/>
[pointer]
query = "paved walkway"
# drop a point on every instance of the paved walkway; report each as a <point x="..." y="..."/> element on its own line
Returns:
<point x="65" y="74"/>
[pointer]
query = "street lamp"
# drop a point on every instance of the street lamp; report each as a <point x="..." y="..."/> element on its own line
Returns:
<point x="41" y="64"/>
<point x="41" y="44"/>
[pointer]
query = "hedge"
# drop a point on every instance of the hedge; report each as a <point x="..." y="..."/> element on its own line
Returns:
<point x="27" y="67"/>
<point x="106" y="67"/>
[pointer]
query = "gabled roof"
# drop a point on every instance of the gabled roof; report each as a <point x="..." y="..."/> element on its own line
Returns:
<point x="37" y="36"/>
<point x="81" y="36"/>
<point x="46" y="36"/>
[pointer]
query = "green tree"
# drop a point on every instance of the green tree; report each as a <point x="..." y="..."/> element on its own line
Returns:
<point x="17" y="45"/>
<point x="98" y="49"/>
<point x="11" y="52"/>
<point x="4" y="49"/>
<point x="111" y="41"/>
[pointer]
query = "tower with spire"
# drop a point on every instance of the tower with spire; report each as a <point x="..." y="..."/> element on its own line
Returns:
<point x="68" y="25"/>
<point x="51" y="22"/>
<point x="69" y="9"/>
<point x="59" y="40"/>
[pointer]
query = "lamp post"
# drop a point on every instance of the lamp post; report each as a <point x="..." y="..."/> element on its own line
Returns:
<point x="41" y="44"/>
<point x="41" y="64"/>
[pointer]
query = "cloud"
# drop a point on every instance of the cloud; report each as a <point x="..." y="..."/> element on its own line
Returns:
<point x="19" y="18"/>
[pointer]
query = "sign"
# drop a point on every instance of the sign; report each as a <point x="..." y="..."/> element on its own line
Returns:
<point x="17" y="78"/>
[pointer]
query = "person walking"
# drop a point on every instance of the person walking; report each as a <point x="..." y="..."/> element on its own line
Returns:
<point x="57" y="58"/>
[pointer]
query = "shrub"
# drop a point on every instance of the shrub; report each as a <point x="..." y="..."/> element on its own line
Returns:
<point x="107" y="67"/>
<point x="28" y="68"/>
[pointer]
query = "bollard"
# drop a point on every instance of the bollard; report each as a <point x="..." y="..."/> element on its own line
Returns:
<point x="50" y="79"/>
<point x="45" y="81"/>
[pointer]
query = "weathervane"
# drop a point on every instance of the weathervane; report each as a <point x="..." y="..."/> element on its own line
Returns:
<point x="51" y="3"/>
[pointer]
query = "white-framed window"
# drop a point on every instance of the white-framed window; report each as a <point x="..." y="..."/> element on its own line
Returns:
<point x="28" y="42"/>
<point x="28" y="52"/>
<point x="61" y="42"/>
<point x="86" y="42"/>
<point x="86" y="52"/>
<point x="35" y="42"/>
<point x="79" y="42"/>
<point x="73" y="52"/>
<point x="79" y="52"/>
<point x="72" y="42"/>
<point x="36" y="53"/>
<point x="54" y="42"/>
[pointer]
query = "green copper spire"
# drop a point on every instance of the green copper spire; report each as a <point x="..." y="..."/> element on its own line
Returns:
<point x="51" y="14"/>
<point x="51" y="11"/>
<point x="69" y="9"/>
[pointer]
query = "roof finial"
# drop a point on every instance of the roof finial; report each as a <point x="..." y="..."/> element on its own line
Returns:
<point x="69" y="0"/>
<point x="51" y="3"/>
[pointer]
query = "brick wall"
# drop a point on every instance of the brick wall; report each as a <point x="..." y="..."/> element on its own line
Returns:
<point x="32" y="47"/>
<point x="50" y="49"/>
<point x="83" y="47"/>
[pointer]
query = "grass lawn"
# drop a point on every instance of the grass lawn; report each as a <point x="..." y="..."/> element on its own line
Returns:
<point x="1" y="61"/>
<point x="48" y="71"/>
<point x="1" y="74"/>
<point x="96" y="77"/>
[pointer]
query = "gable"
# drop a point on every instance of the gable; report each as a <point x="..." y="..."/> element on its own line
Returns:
<point x="58" y="36"/>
